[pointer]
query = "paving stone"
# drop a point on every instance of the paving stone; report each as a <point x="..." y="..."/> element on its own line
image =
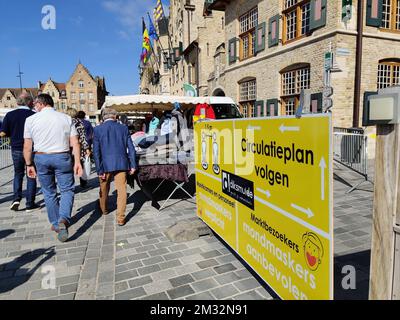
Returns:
<point x="121" y="286"/>
<point x="211" y="254"/>
<point x="247" y="284"/>
<point x="204" y="285"/>
<point x="225" y="268"/>
<point x="224" y="292"/>
<point x="181" y="280"/>
<point x="170" y="264"/>
<point x="203" y="274"/>
<point x="105" y="289"/>
<point x="69" y="288"/>
<point x="43" y="293"/>
<point x="138" y="282"/>
<point x="153" y="260"/>
<point x="128" y="266"/>
<point x="207" y="263"/>
<point x="160" y="286"/>
<point x="157" y="296"/>
<point x="126" y="275"/>
<point x="251" y="295"/>
<point x="180" y="292"/>
<point x="149" y="269"/>
<point x="201" y="296"/>
<point x="130" y="294"/>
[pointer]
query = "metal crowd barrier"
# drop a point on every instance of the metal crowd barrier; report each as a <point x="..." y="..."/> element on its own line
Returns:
<point x="5" y="153"/>
<point x="350" y="150"/>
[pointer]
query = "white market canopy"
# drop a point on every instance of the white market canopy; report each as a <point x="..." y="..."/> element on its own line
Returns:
<point x="148" y="103"/>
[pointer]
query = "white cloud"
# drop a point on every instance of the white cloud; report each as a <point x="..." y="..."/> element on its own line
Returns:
<point x="77" y="21"/>
<point x="123" y="34"/>
<point x="129" y="12"/>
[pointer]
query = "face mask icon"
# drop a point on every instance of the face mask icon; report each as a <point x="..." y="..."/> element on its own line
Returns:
<point x="215" y="153"/>
<point x="204" y="163"/>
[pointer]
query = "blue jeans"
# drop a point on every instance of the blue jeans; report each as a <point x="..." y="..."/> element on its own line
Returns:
<point x="49" y="168"/>
<point x="19" y="173"/>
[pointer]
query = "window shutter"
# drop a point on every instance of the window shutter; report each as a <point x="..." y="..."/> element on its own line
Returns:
<point x="366" y="106"/>
<point x="316" y="103"/>
<point x="260" y="108"/>
<point x="374" y="13"/>
<point x="273" y="31"/>
<point x="172" y="57"/>
<point x="260" y="37"/>
<point x="232" y="50"/>
<point x="318" y="14"/>
<point x="272" y="108"/>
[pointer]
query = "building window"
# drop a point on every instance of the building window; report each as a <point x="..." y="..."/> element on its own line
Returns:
<point x="81" y="96"/>
<point x="73" y="95"/>
<point x="248" y="24"/>
<point x="293" y="81"/>
<point x="247" y="98"/>
<point x="74" y="106"/>
<point x="391" y="15"/>
<point x="82" y="107"/>
<point x="81" y="84"/>
<point x="90" y="95"/>
<point x="388" y="74"/>
<point x="8" y="98"/>
<point x="296" y="19"/>
<point x="91" y="107"/>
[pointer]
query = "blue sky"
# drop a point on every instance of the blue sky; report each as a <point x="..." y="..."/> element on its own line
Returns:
<point x="105" y="35"/>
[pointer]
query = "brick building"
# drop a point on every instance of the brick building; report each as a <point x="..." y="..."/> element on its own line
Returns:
<point x="81" y="92"/>
<point x="189" y="44"/>
<point x="8" y="96"/>
<point x="275" y="48"/>
<point x="85" y="92"/>
<point x="57" y="91"/>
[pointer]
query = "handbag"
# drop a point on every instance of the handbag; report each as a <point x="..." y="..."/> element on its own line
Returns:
<point x="87" y="168"/>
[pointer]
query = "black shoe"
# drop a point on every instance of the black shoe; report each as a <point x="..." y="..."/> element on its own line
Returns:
<point x="156" y="205"/>
<point x="32" y="208"/>
<point x="15" y="205"/>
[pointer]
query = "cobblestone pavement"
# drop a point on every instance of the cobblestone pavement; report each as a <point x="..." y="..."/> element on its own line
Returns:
<point x="104" y="261"/>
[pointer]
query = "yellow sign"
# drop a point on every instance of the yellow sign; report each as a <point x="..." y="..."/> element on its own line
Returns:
<point x="265" y="186"/>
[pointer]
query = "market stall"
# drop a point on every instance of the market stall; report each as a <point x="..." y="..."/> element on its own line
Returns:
<point x="167" y="156"/>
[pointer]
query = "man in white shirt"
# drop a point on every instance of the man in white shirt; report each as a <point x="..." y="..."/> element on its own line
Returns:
<point x="52" y="135"/>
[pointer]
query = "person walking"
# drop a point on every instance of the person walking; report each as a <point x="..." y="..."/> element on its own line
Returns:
<point x="13" y="127"/>
<point x="88" y="127"/>
<point x="52" y="134"/>
<point x="114" y="155"/>
<point x="83" y="143"/>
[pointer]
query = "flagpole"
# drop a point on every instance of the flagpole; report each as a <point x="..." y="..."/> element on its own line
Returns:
<point x="158" y="39"/>
<point x="151" y="46"/>
<point x="171" y="47"/>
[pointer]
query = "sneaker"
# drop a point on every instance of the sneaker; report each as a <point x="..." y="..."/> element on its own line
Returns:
<point x="32" y="208"/>
<point x="63" y="232"/>
<point x="15" y="206"/>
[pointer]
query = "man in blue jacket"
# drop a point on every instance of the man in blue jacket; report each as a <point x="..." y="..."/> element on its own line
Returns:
<point x="114" y="155"/>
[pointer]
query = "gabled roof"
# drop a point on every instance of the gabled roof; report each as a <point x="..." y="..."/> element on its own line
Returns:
<point x="59" y="86"/>
<point x="84" y="68"/>
<point x="17" y="91"/>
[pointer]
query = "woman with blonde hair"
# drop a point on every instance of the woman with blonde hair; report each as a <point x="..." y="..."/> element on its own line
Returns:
<point x="85" y="148"/>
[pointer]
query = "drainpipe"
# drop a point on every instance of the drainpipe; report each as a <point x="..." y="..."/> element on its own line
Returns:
<point x="359" y="50"/>
<point x="197" y="69"/>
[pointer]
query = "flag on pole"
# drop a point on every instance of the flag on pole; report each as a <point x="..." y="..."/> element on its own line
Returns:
<point x="146" y="47"/>
<point x="152" y="30"/>
<point x="158" y="11"/>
